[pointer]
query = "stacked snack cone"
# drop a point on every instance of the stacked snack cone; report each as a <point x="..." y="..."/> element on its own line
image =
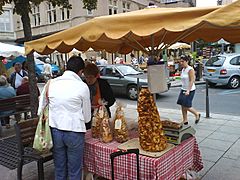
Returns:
<point x="151" y="135"/>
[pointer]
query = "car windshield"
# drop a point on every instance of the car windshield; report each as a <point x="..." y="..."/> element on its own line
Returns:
<point x="37" y="61"/>
<point x="215" y="61"/>
<point x="128" y="70"/>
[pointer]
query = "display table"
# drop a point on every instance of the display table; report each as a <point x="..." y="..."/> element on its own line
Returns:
<point x="169" y="166"/>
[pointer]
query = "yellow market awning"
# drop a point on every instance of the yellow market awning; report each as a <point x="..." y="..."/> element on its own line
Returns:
<point x="140" y="29"/>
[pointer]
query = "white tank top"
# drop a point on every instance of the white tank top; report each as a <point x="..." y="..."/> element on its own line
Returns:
<point x="185" y="79"/>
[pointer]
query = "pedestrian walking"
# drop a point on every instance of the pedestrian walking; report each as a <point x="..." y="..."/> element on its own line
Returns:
<point x="69" y="110"/>
<point x="47" y="70"/>
<point x="134" y="61"/>
<point x="187" y="91"/>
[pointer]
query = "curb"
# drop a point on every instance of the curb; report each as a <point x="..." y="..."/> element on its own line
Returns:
<point x="179" y="85"/>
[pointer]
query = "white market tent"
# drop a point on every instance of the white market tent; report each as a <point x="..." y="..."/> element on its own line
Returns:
<point x="7" y="50"/>
<point x="179" y="45"/>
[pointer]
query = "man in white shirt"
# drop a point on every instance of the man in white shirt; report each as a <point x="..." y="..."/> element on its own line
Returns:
<point x="47" y="70"/>
<point x="134" y="60"/>
<point x="69" y="110"/>
<point x="102" y="61"/>
<point x="17" y="76"/>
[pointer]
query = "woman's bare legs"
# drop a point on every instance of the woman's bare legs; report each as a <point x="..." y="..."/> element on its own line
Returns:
<point x="184" y="114"/>
<point x="193" y="111"/>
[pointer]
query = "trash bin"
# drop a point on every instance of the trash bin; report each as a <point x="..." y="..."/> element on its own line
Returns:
<point x="198" y="71"/>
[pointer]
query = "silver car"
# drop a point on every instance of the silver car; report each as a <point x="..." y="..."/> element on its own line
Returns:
<point x="223" y="69"/>
<point x="123" y="79"/>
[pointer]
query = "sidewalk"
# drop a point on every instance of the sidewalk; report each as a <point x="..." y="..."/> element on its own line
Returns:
<point x="177" y="82"/>
<point x="219" y="142"/>
<point x="218" y="138"/>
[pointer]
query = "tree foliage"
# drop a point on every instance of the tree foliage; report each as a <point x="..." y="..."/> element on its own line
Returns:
<point x="24" y="8"/>
<point x="90" y="4"/>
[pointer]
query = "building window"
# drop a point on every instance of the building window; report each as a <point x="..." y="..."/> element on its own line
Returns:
<point x="51" y="14"/>
<point x="126" y="6"/>
<point x="36" y="15"/>
<point x="89" y="12"/>
<point x="112" y="7"/>
<point x="68" y="14"/>
<point x="169" y="1"/>
<point x="65" y="14"/>
<point x="5" y="22"/>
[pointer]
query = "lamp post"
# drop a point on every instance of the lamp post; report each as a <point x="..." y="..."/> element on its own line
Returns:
<point x="207" y="101"/>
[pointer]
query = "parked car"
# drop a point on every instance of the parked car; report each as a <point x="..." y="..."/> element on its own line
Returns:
<point x="123" y="79"/>
<point x="223" y="69"/>
<point x="39" y="69"/>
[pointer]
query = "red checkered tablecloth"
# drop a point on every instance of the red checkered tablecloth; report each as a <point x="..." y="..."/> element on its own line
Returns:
<point x="171" y="165"/>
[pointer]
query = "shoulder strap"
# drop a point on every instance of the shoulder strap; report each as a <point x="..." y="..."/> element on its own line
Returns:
<point x="20" y="74"/>
<point x="47" y="88"/>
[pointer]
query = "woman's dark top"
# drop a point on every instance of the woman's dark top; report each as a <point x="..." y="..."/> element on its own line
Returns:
<point x="106" y="94"/>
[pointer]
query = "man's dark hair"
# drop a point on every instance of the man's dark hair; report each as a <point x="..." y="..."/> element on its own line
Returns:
<point x="75" y="64"/>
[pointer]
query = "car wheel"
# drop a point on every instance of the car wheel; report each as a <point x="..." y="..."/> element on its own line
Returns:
<point x="212" y="84"/>
<point x="234" y="82"/>
<point x="132" y="92"/>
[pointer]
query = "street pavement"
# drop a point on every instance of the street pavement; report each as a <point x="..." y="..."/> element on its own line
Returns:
<point x="218" y="138"/>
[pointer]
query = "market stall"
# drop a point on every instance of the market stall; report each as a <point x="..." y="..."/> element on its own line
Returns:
<point x="167" y="149"/>
<point x="170" y="165"/>
<point x="162" y="28"/>
<point x="124" y="33"/>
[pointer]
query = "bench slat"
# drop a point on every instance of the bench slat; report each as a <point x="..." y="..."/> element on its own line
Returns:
<point x="16" y="105"/>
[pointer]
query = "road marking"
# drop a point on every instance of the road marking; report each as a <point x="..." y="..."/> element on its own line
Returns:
<point x="227" y="92"/>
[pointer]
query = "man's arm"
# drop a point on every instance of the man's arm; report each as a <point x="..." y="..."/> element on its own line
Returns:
<point x="86" y="106"/>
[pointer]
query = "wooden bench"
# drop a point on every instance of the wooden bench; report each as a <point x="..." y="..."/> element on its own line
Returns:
<point x="25" y="132"/>
<point x="15" y="106"/>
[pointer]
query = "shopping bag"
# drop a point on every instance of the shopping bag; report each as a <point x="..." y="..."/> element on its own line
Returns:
<point x="43" y="138"/>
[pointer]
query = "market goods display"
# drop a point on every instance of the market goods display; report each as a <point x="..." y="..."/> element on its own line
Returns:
<point x="100" y="125"/>
<point x="151" y="136"/>
<point x="171" y="124"/>
<point x="96" y="122"/>
<point x="105" y="131"/>
<point x="120" y="126"/>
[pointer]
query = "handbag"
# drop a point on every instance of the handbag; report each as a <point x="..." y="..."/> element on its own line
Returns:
<point x="43" y="138"/>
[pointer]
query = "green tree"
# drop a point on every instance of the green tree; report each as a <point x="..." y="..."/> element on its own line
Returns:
<point x="90" y="4"/>
<point x="23" y="8"/>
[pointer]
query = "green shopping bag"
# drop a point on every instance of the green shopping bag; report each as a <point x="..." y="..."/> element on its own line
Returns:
<point x="43" y="138"/>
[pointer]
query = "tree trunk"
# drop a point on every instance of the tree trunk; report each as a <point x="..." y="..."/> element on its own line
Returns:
<point x="31" y="65"/>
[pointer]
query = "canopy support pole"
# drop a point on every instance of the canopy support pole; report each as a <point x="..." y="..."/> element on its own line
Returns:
<point x="161" y="41"/>
<point x="185" y="34"/>
<point x="139" y="44"/>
